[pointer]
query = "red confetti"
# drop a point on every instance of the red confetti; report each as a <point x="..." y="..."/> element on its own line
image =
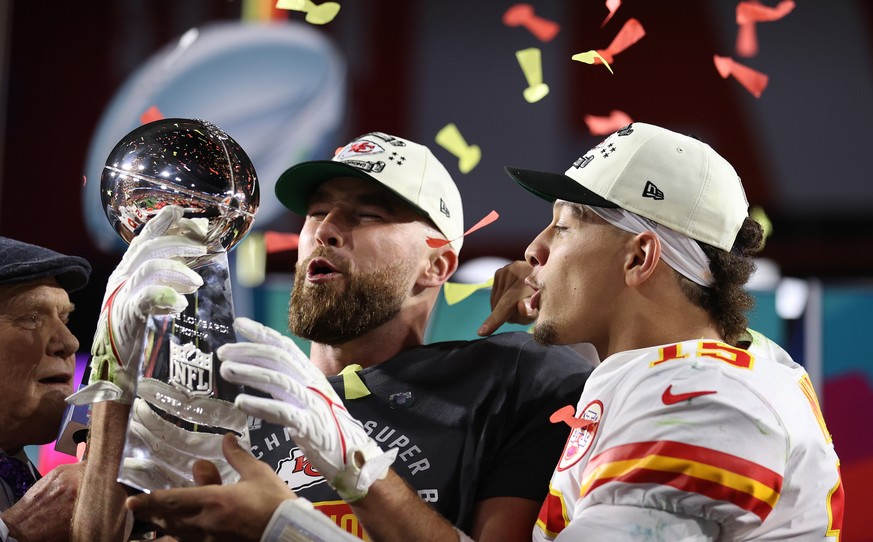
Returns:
<point x="747" y="40"/>
<point x="275" y="241"/>
<point x="151" y="114"/>
<point x="567" y="415"/>
<point x="630" y="33"/>
<point x="84" y="180"/>
<point x="612" y="6"/>
<point x="606" y="125"/>
<point x="433" y="242"/>
<point x="755" y="12"/>
<point x="523" y="15"/>
<point x="754" y="81"/>
<point x="751" y="12"/>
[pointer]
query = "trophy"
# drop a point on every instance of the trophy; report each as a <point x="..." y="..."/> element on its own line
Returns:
<point x="183" y="406"/>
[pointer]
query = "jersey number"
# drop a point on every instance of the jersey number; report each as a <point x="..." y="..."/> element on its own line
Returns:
<point x="709" y="349"/>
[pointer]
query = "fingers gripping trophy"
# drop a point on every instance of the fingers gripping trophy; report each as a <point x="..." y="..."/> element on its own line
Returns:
<point x="182" y="193"/>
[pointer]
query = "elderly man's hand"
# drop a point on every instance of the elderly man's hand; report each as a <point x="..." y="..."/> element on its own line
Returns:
<point x="46" y="510"/>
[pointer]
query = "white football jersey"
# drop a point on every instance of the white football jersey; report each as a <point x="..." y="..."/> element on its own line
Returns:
<point x="731" y="438"/>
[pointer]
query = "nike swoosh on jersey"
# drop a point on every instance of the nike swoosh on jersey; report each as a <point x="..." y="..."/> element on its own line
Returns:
<point x="669" y="398"/>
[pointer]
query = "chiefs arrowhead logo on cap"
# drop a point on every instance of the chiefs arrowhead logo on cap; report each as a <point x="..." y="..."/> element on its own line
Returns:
<point x="358" y="148"/>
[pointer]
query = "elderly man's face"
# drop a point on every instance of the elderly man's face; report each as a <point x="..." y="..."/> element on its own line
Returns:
<point x="37" y="361"/>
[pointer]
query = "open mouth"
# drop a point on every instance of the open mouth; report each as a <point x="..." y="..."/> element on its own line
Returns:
<point x="320" y="270"/>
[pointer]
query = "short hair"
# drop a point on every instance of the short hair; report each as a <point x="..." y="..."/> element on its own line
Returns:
<point x="727" y="300"/>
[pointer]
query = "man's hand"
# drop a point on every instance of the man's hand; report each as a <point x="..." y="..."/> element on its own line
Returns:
<point x="303" y="401"/>
<point x="510" y="298"/>
<point x="46" y="510"/>
<point x="151" y="278"/>
<point x="211" y="511"/>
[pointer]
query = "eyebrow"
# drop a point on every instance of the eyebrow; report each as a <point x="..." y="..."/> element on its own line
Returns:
<point x="30" y="302"/>
<point x="575" y="208"/>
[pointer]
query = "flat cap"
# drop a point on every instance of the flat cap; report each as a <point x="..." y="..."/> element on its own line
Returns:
<point x="23" y="262"/>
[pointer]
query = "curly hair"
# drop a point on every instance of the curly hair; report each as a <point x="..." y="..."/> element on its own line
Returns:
<point x="727" y="301"/>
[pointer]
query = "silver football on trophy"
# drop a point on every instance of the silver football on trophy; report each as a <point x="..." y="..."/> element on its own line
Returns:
<point x="185" y="162"/>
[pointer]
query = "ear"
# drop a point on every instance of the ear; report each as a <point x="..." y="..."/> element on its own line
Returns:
<point x="442" y="263"/>
<point x="643" y="259"/>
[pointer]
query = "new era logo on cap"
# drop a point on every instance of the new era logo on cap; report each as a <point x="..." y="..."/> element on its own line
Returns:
<point x="651" y="191"/>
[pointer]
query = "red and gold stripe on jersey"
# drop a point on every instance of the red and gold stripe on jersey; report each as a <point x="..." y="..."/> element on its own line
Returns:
<point x="713" y="474"/>
<point x="553" y="517"/>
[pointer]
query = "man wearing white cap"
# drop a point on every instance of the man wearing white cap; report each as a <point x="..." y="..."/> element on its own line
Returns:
<point x="465" y="424"/>
<point x="679" y="434"/>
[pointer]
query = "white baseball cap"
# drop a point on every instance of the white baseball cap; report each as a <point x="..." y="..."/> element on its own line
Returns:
<point x="672" y="179"/>
<point x="406" y="168"/>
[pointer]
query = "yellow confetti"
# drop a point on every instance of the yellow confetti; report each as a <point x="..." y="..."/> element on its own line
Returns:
<point x="315" y="14"/>
<point x="456" y="292"/>
<point x="352" y="384"/>
<point x="251" y="260"/>
<point x="531" y="63"/>
<point x="294" y="5"/>
<point x="588" y="58"/>
<point x="450" y="138"/>
<point x="758" y="215"/>
<point x="322" y="14"/>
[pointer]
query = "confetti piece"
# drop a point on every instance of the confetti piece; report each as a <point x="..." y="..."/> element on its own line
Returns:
<point x="606" y="125"/>
<point x="612" y="6"/>
<point x="523" y="15"/>
<point x="315" y="14"/>
<point x="251" y="260"/>
<point x="755" y="12"/>
<point x="275" y="241"/>
<point x="531" y="62"/>
<point x="322" y="14"/>
<point x="747" y="40"/>
<point x="151" y="114"/>
<point x="630" y="33"/>
<point x="456" y="292"/>
<point x="450" y="138"/>
<point x="433" y="242"/>
<point x="758" y="215"/>
<point x="567" y="415"/>
<point x="294" y="5"/>
<point x="84" y="180"/>
<point x="753" y="81"/>
<point x="353" y="386"/>
<point x="589" y="57"/>
<point x="751" y="12"/>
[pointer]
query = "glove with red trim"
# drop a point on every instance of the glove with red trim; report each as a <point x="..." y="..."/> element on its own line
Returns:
<point x="303" y="401"/>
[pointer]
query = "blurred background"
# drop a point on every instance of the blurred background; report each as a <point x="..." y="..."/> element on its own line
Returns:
<point x="793" y="118"/>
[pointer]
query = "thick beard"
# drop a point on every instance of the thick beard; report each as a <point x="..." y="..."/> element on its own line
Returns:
<point x="545" y="333"/>
<point x="320" y="313"/>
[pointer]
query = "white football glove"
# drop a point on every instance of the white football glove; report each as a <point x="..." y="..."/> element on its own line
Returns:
<point x="151" y="278"/>
<point x="304" y="402"/>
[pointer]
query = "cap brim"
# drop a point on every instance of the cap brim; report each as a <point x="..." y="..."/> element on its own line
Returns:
<point x="552" y="186"/>
<point x="296" y="185"/>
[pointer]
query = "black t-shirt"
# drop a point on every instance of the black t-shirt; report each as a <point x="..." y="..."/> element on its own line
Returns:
<point x="470" y="420"/>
